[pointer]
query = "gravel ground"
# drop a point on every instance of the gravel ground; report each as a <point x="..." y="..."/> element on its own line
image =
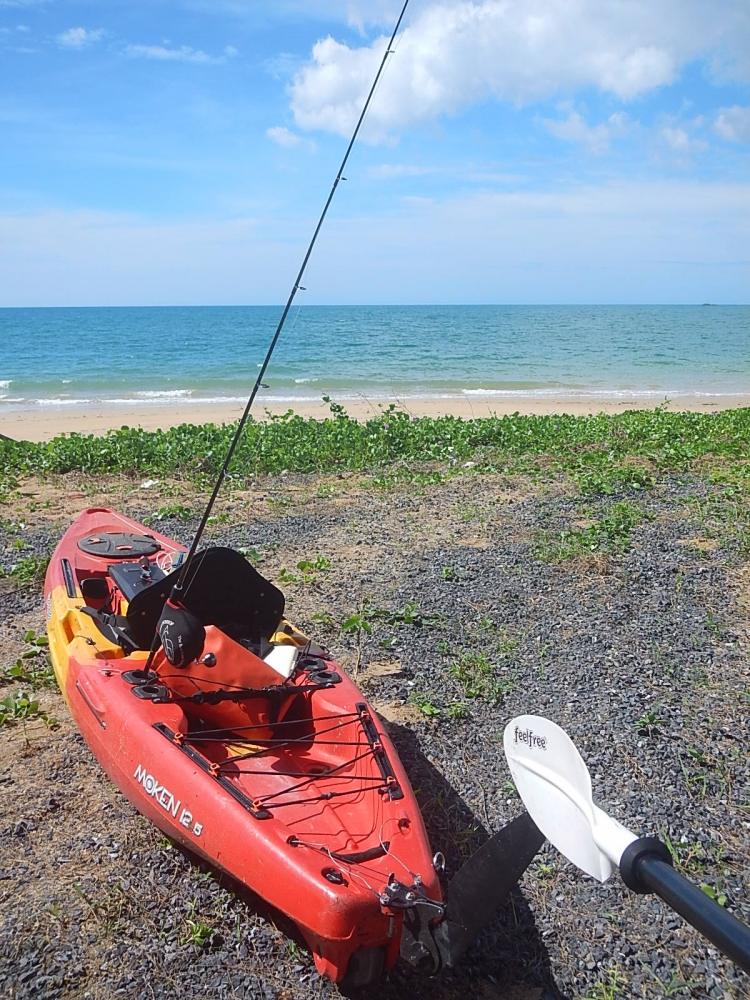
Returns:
<point x="642" y="655"/>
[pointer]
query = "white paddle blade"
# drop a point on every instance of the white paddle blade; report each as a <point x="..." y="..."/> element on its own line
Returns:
<point x="611" y="836"/>
<point x="555" y="786"/>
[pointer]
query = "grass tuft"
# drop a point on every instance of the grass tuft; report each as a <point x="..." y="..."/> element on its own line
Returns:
<point x="33" y="667"/>
<point x="22" y="707"/>
<point x="29" y="571"/>
<point x="610" y="535"/>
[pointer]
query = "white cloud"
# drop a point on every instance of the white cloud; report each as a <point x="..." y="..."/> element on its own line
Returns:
<point x="282" y="66"/>
<point x="183" y="53"/>
<point x="680" y="140"/>
<point x="361" y="14"/>
<point x="66" y="244"/>
<point x="456" y="52"/>
<point x="733" y="124"/>
<point x="285" y="137"/>
<point x="596" y="138"/>
<point x="494" y="178"/>
<point x="484" y="175"/>
<point x="667" y="241"/>
<point x="79" y="38"/>
<point x="677" y="138"/>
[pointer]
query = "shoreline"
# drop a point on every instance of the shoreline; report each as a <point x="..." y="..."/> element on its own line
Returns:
<point x="42" y="424"/>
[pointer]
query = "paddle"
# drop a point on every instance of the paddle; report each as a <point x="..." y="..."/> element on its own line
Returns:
<point x="555" y="786"/>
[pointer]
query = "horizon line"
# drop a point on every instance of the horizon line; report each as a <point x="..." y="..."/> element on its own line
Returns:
<point x="363" y="305"/>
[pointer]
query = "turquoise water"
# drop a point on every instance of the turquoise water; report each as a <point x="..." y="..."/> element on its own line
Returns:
<point x="75" y="357"/>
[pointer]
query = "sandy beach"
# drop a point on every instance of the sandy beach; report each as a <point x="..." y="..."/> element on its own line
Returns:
<point x="42" y="423"/>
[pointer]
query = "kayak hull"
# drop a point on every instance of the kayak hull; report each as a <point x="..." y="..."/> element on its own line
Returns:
<point x="298" y="794"/>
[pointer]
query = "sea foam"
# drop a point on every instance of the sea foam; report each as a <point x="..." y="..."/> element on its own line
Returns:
<point x="56" y="401"/>
<point x="164" y="393"/>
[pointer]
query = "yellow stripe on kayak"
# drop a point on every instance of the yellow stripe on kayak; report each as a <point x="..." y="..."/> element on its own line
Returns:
<point x="74" y="635"/>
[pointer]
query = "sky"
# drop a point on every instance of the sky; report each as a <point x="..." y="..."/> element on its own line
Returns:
<point x="162" y="152"/>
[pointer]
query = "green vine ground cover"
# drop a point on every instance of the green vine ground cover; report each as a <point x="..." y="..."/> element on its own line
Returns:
<point x="604" y="454"/>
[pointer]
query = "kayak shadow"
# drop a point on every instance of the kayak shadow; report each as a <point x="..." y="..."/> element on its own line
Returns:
<point x="508" y="956"/>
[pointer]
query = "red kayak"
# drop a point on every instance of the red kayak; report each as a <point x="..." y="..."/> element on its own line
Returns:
<point x="244" y="742"/>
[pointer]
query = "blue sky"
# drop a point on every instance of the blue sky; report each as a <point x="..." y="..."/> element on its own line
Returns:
<point x="179" y="151"/>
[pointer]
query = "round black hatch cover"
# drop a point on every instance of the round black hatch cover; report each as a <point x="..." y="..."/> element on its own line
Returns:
<point x="118" y="545"/>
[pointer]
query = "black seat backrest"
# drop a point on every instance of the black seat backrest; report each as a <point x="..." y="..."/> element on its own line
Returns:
<point x="221" y="588"/>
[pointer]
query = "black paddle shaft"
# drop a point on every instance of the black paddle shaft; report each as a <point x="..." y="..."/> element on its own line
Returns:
<point x="646" y="867"/>
<point x="712" y="920"/>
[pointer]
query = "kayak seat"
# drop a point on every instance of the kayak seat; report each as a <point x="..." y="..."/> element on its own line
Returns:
<point x="96" y="593"/>
<point x="114" y="627"/>
<point x="221" y="588"/>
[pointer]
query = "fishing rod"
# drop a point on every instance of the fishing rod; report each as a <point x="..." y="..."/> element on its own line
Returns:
<point x="174" y="597"/>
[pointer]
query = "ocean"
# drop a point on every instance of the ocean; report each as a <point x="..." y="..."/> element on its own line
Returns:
<point x="71" y="357"/>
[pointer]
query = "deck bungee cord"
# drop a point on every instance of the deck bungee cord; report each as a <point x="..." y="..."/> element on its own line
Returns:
<point x="366" y="748"/>
<point x="179" y="591"/>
